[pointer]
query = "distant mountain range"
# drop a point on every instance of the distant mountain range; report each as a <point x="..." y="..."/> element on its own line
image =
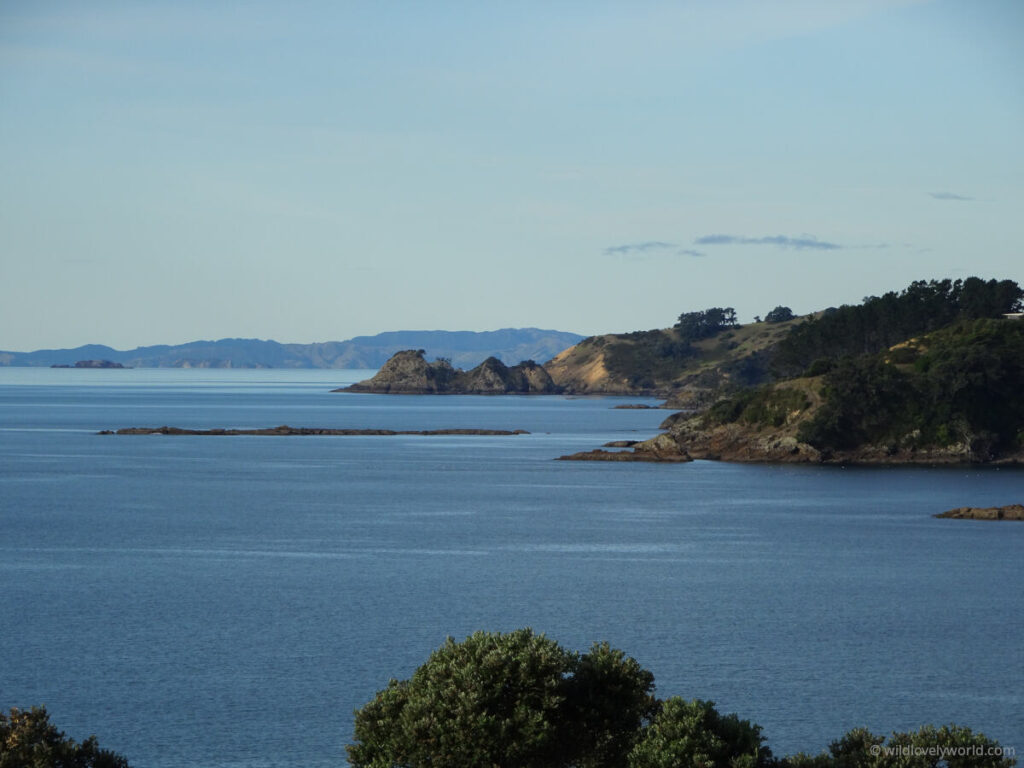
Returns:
<point x="465" y="349"/>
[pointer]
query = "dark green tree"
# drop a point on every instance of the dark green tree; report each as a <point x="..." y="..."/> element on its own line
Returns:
<point x="509" y="700"/>
<point x="693" y="733"/>
<point x="693" y="326"/>
<point x="518" y="700"/>
<point x="963" y="385"/>
<point x="29" y="740"/>
<point x="779" y="315"/>
<point x="879" y="322"/>
<point x="866" y="401"/>
<point x="608" y="699"/>
<point x="951" y="746"/>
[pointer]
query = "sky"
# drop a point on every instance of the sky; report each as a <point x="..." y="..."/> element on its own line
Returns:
<point x="313" y="171"/>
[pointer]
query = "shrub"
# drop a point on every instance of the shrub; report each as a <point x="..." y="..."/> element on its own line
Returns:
<point x="29" y="740"/>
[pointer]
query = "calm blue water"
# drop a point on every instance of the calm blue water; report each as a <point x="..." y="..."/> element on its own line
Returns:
<point x="230" y="601"/>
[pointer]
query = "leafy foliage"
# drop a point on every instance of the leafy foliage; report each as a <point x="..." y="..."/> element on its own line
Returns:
<point x="693" y="733"/>
<point x="966" y="386"/>
<point x="866" y="401"/>
<point x="608" y="699"/>
<point x="779" y="315"/>
<point x="514" y="699"/>
<point x="29" y="740"/>
<point x="950" y="746"/>
<point x="694" y="326"/>
<point x="519" y="699"/>
<point x="881" y="322"/>
<point x="761" y="407"/>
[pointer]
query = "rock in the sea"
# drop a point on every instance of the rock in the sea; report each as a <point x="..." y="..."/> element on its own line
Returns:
<point x="601" y="455"/>
<point x="408" y="373"/>
<point x="285" y="430"/>
<point x="1009" y="512"/>
<point x="91" y="364"/>
<point x="658" y="449"/>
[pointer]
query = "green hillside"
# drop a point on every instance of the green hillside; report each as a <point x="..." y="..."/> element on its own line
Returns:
<point x="953" y="391"/>
<point x="694" y="360"/>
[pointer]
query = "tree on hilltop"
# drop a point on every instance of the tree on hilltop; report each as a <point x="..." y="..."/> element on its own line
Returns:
<point x="779" y="315"/>
<point x="700" y="325"/>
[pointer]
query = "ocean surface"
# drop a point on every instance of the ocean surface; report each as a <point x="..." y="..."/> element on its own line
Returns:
<point x="229" y="601"/>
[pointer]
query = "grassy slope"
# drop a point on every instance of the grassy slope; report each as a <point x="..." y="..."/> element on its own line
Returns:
<point x="658" y="362"/>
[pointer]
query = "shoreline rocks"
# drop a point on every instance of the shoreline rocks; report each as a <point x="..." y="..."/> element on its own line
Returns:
<point x="661" y="449"/>
<point x="599" y="454"/>
<point x="744" y="444"/>
<point x="1009" y="512"/>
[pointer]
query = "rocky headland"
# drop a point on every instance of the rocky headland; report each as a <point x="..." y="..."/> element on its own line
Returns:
<point x="409" y="373"/>
<point x="1009" y="512"/>
<point x="768" y="426"/>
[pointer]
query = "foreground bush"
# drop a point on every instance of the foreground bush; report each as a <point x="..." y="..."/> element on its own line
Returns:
<point x="29" y="740"/>
<point x="693" y="733"/>
<point x="515" y="699"/>
<point x="950" y="746"/>
<point x="519" y="700"/>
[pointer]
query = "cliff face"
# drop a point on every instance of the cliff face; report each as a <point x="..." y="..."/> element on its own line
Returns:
<point x="581" y="369"/>
<point x="407" y="372"/>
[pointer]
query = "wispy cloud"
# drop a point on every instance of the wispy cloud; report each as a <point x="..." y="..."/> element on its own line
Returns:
<point x="949" y="196"/>
<point x="780" y="241"/>
<point x="651" y="249"/>
<point x="635" y="248"/>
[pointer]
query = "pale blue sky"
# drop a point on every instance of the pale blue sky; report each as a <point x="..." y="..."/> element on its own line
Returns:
<point x="311" y="171"/>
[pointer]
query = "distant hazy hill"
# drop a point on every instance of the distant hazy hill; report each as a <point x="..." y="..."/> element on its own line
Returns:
<point x="465" y="349"/>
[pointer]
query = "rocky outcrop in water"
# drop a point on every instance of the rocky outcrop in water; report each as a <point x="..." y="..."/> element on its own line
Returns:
<point x="91" y="364"/>
<point x="409" y="373"/>
<point x="1009" y="512"/>
<point x="284" y="429"/>
<point x="658" y="449"/>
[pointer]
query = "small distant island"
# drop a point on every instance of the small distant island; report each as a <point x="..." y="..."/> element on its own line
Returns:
<point x="1009" y="512"/>
<point x="91" y="364"/>
<point x="409" y="373"/>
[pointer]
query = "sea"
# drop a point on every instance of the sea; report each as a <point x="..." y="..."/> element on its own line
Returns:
<point x="230" y="601"/>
